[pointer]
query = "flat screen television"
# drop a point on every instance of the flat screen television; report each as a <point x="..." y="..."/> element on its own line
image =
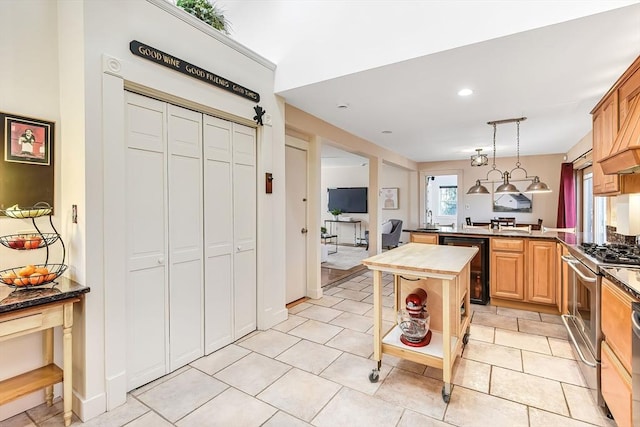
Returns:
<point x="348" y="200"/>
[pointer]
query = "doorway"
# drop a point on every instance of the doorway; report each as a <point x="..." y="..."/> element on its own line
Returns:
<point x="296" y="228"/>
<point x="441" y="199"/>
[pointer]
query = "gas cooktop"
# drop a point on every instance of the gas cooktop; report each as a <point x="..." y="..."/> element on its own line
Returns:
<point x="613" y="253"/>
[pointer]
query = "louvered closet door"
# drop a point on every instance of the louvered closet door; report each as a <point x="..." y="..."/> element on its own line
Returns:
<point x="218" y="213"/>
<point x="244" y="229"/>
<point x="186" y="317"/>
<point x="146" y="306"/>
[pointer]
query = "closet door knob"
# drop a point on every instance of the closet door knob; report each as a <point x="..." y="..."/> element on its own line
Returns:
<point x="160" y="261"/>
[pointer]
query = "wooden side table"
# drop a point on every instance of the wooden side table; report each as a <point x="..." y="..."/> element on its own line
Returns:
<point x="35" y="318"/>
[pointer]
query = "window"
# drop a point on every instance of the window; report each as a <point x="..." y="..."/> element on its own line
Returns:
<point x="448" y="200"/>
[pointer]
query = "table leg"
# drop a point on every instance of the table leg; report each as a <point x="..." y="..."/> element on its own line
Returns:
<point x="446" y="336"/>
<point x="68" y="362"/>
<point x="377" y="315"/>
<point x="47" y="346"/>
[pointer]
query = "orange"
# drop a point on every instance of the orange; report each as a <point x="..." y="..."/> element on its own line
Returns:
<point x="36" y="279"/>
<point x="50" y="277"/>
<point x="21" y="281"/>
<point x="27" y="271"/>
<point x="42" y="270"/>
<point x="8" y="277"/>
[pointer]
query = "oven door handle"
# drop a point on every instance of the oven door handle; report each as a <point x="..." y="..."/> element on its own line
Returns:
<point x="565" y="320"/>
<point x="572" y="264"/>
<point x="635" y="323"/>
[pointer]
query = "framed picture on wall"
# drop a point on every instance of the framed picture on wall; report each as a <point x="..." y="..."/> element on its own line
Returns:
<point x="27" y="159"/>
<point x="27" y="140"/>
<point x="511" y="202"/>
<point x="389" y="198"/>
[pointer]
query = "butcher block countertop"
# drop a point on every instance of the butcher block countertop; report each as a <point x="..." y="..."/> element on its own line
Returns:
<point x="424" y="260"/>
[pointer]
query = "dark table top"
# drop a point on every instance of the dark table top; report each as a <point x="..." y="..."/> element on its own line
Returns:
<point x="12" y="299"/>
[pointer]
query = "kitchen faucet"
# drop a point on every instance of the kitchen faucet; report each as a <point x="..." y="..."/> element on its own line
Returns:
<point x="429" y="217"/>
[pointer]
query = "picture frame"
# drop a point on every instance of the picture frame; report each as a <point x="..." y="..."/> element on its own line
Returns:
<point x="27" y="140"/>
<point x="511" y="203"/>
<point x="26" y="178"/>
<point x="389" y="198"/>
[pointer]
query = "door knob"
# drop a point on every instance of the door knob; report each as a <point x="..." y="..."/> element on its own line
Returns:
<point x="304" y="230"/>
<point x="160" y="261"/>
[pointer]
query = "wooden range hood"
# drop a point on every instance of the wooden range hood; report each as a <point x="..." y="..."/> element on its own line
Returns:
<point x="625" y="157"/>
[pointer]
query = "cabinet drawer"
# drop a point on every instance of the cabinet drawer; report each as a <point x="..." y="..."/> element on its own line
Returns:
<point x="512" y="245"/>
<point x="424" y="238"/>
<point x="616" y="387"/>
<point x="10" y="327"/>
<point x="616" y="321"/>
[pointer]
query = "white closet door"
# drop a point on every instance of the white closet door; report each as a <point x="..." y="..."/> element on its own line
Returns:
<point x="218" y="226"/>
<point x="185" y="236"/>
<point x="244" y="226"/>
<point x="146" y="306"/>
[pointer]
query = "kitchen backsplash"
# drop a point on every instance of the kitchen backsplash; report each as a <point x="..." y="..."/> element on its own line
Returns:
<point x="613" y="237"/>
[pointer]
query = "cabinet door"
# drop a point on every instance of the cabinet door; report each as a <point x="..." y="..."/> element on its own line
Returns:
<point x="628" y="90"/>
<point x="431" y="239"/>
<point x="146" y="246"/>
<point x="616" y="387"/>
<point x="186" y="329"/>
<point x="541" y="272"/>
<point x="616" y="321"/>
<point x="244" y="229"/>
<point x="605" y="129"/>
<point x="218" y="214"/>
<point x="507" y="275"/>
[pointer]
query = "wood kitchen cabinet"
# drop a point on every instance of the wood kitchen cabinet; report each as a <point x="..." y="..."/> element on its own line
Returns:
<point x="616" y="352"/>
<point x="429" y="238"/>
<point x="608" y="118"/>
<point x="541" y="272"/>
<point x="605" y="127"/>
<point x="507" y="268"/>
<point x="525" y="272"/>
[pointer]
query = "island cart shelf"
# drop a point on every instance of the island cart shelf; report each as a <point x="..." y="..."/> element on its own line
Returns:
<point x="443" y="272"/>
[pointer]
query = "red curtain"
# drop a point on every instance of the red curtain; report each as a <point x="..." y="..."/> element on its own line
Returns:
<point x="567" y="198"/>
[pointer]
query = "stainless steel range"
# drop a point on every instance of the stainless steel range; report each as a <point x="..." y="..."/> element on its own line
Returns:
<point x="583" y="321"/>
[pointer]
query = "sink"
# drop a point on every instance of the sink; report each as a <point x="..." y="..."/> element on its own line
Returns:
<point x="429" y="228"/>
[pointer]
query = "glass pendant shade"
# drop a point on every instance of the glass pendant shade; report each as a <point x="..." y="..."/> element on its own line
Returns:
<point x="537" y="187"/>
<point x="478" y="189"/>
<point x="507" y="187"/>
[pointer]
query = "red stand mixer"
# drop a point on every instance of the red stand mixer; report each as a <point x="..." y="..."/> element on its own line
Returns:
<point x="414" y="320"/>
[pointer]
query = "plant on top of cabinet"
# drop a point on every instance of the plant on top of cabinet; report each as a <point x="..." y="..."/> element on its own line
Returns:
<point x="206" y="12"/>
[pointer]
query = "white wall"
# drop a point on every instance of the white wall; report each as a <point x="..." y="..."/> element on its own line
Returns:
<point x="84" y="96"/>
<point x="479" y="207"/>
<point x="358" y="176"/>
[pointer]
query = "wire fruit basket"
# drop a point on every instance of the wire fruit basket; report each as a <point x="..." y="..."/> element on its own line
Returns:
<point x="26" y="241"/>
<point x="31" y="275"/>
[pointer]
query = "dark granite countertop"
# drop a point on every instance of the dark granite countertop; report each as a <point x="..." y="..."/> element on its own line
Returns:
<point x="15" y="299"/>
<point x="566" y="238"/>
<point x="627" y="278"/>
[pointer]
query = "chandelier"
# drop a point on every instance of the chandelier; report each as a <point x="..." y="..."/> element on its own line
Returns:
<point x="506" y="187"/>
<point x="479" y="159"/>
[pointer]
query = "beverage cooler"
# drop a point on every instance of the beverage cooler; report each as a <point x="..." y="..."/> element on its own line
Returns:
<point x="479" y="279"/>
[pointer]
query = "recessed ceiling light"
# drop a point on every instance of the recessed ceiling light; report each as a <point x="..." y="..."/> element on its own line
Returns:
<point x="343" y="105"/>
<point x="387" y="131"/>
<point x="465" y="92"/>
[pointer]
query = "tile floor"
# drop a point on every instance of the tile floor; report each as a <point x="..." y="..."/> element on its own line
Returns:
<point x="312" y="369"/>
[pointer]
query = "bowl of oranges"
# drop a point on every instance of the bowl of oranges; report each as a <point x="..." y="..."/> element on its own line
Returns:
<point x="31" y="275"/>
<point x="28" y="241"/>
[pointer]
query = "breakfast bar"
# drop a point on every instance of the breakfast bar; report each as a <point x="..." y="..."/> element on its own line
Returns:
<point x="441" y="271"/>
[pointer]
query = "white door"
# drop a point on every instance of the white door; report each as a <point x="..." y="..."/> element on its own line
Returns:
<point x="244" y="230"/>
<point x="186" y="328"/>
<point x="145" y="201"/>
<point x="218" y="228"/>
<point x="296" y="211"/>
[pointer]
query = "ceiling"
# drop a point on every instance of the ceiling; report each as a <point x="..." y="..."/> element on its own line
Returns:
<point x="552" y="74"/>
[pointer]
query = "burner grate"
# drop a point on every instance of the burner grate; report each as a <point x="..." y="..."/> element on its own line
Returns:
<point x="614" y="253"/>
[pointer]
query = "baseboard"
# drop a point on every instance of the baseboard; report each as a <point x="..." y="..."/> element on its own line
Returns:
<point x="116" y="390"/>
<point x="86" y="409"/>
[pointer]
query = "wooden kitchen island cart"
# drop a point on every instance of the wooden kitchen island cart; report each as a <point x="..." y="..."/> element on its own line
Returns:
<point x="443" y="272"/>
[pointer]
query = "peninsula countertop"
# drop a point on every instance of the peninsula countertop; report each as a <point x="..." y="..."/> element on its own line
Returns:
<point x="424" y="260"/>
<point x="567" y="238"/>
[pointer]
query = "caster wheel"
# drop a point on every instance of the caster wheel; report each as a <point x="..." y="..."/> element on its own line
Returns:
<point x="374" y="376"/>
<point x="465" y="338"/>
<point x="446" y="397"/>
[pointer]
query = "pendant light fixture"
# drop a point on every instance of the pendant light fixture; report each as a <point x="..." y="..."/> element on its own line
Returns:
<point x="506" y="187"/>
<point x="479" y="159"/>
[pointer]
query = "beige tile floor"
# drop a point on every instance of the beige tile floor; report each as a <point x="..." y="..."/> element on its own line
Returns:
<point x="312" y="369"/>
